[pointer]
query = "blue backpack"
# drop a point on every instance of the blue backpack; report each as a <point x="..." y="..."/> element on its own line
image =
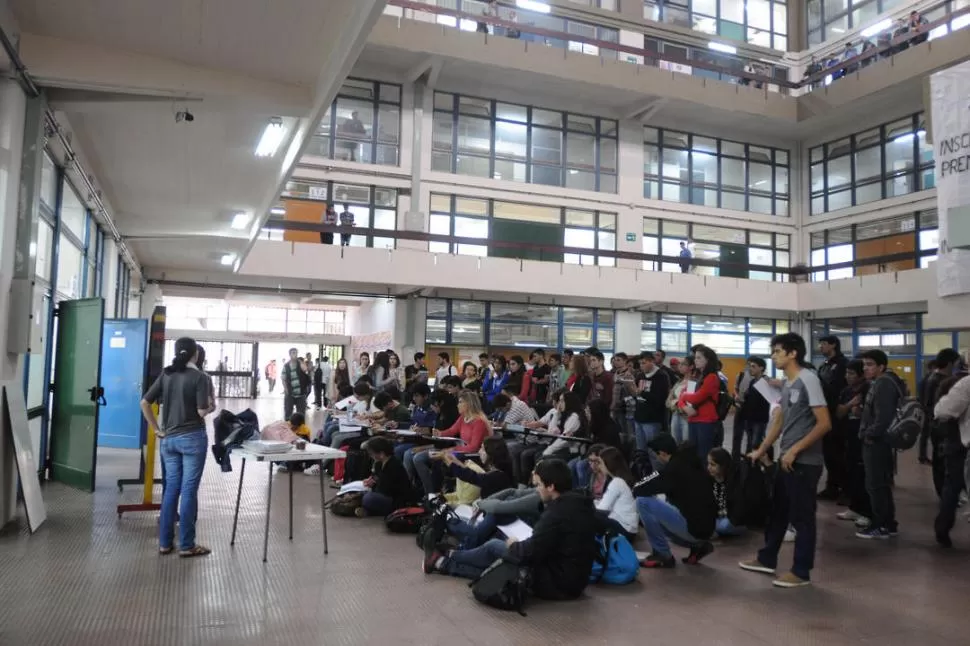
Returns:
<point x="616" y="562"/>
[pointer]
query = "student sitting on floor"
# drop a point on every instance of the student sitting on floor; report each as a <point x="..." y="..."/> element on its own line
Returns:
<point x="617" y="503"/>
<point x="390" y="487"/>
<point x="560" y="551"/>
<point x="689" y="510"/>
<point x="721" y="468"/>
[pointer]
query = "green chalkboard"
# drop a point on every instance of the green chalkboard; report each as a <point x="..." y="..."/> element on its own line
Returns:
<point x="532" y="234"/>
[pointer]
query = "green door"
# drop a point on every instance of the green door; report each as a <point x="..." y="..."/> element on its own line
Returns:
<point x="77" y="379"/>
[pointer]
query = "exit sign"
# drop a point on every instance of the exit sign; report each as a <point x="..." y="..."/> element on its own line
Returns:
<point x="631" y="237"/>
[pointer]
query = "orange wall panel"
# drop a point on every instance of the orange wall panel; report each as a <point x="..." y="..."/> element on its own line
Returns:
<point x="303" y="211"/>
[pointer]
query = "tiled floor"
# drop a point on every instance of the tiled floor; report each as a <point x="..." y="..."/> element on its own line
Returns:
<point x="89" y="578"/>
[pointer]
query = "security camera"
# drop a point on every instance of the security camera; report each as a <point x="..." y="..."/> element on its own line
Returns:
<point x="184" y="115"/>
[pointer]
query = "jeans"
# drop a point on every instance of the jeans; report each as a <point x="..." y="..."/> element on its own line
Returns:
<point x="646" y="431"/>
<point x="661" y="519"/>
<point x="678" y="427"/>
<point x="878" y="460"/>
<point x="794" y="504"/>
<point x="723" y="527"/>
<point x="473" y="536"/>
<point x="184" y="458"/>
<point x="581" y="472"/>
<point x="426" y="471"/>
<point x="855" y="482"/>
<point x="377" y="504"/>
<point x="515" y="453"/>
<point x="703" y="435"/>
<point x="409" y="463"/>
<point x="955" y="456"/>
<point x="527" y="461"/>
<point x="289" y="402"/>
<point x="331" y="427"/>
<point x="833" y="449"/>
<point x="340" y="438"/>
<point x="401" y="449"/>
<point x="469" y="564"/>
<point x="755" y="432"/>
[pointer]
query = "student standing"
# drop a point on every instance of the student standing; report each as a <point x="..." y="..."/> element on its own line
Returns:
<point x="847" y="415"/>
<point x="832" y="375"/>
<point x="346" y="220"/>
<point x="802" y="423"/>
<point x="329" y="219"/>
<point x="295" y="382"/>
<point x="601" y="380"/>
<point x="700" y="406"/>
<point x="652" y="389"/>
<point x="271" y="373"/>
<point x="752" y="412"/>
<point x="445" y="369"/>
<point x="952" y="413"/>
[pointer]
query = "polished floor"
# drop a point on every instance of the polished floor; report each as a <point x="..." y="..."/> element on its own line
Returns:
<point x="89" y="577"/>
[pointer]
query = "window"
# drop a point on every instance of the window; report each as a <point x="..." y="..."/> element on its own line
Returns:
<point x="759" y="22"/>
<point x="832" y="19"/>
<point x="879" y="163"/>
<point x="363" y="124"/>
<point x="503" y="141"/>
<point x="692" y="169"/>
<point x="372" y="206"/>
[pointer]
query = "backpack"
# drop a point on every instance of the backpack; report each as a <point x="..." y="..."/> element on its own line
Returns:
<point x="905" y="429"/>
<point x="356" y="466"/>
<point x="616" y="562"/>
<point x="724" y="401"/>
<point x="407" y="520"/>
<point x="503" y="585"/>
<point x="753" y="492"/>
<point x="346" y="504"/>
<point x="436" y="522"/>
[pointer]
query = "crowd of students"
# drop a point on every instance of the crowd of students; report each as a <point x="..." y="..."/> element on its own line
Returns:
<point x="575" y="450"/>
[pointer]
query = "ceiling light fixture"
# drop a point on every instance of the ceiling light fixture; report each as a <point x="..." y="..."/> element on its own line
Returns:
<point x="240" y="220"/>
<point x="272" y="137"/>
<point x="882" y="25"/>
<point x="228" y="259"/>
<point x="277" y="210"/>
<point x="533" y="5"/>
<point x="721" y="47"/>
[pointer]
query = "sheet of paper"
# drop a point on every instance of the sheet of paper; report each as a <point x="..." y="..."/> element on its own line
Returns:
<point x="357" y="485"/>
<point x="517" y="530"/>
<point x="771" y="394"/>
<point x="465" y="512"/>
<point x="343" y="404"/>
<point x="405" y="433"/>
<point x="454" y="440"/>
<point x="691" y="386"/>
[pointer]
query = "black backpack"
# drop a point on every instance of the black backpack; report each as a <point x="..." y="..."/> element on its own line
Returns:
<point x="504" y="585"/>
<point x="753" y="492"/>
<point x="724" y="401"/>
<point x="406" y="520"/>
<point x="357" y="466"/>
<point x="908" y="423"/>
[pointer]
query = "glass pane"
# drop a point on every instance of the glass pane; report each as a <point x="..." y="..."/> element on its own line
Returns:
<point x="474" y="135"/>
<point x="510" y="140"/>
<point x="547" y="146"/>
<point x="69" y="269"/>
<point x="72" y="211"/>
<point x="524" y="312"/>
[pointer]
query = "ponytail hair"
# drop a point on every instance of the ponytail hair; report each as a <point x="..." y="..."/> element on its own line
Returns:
<point x="185" y="350"/>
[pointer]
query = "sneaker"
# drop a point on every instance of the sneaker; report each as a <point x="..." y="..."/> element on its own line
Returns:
<point x="790" y="536"/>
<point x="312" y="470"/>
<point x="862" y="522"/>
<point x="697" y="553"/>
<point x="654" y="562"/>
<point x="431" y="554"/>
<point x="848" y="514"/>
<point x="789" y="580"/>
<point x="754" y="565"/>
<point x="893" y="531"/>
<point x="873" y="533"/>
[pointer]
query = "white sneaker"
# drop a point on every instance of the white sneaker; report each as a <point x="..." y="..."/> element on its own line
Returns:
<point x="848" y="514"/>
<point x="790" y="535"/>
<point x="312" y="470"/>
<point x="862" y="522"/>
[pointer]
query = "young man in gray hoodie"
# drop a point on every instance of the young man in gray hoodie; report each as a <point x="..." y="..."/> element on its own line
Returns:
<point x="878" y="413"/>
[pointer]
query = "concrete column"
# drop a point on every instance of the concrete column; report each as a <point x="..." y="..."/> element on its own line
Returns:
<point x="13" y="108"/>
<point x="797" y="27"/>
<point x="627" y="336"/>
<point x="630" y="189"/>
<point x="151" y="297"/>
<point x="109" y="293"/>
<point x="631" y="9"/>
<point x="414" y="215"/>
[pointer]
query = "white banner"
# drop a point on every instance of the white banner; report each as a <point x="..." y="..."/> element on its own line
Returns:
<point x="950" y="91"/>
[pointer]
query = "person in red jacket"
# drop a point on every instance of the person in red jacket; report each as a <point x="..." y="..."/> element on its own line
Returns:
<point x="700" y="405"/>
<point x="519" y="379"/>
<point x="472" y="427"/>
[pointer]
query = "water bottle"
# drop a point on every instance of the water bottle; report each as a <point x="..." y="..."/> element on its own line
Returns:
<point x="350" y="414"/>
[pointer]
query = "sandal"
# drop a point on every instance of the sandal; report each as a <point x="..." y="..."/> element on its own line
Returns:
<point x="164" y="550"/>
<point x="197" y="550"/>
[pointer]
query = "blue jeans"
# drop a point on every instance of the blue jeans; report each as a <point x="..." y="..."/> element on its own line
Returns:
<point x="646" y="431"/>
<point x="723" y="527"/>
<point x="678" y="427"/>
<point x="377" y="504"/>
<point x="331" y="427"/>
<point x="581" y="472"/>
<point x="401" y="449"/>
<point x="469" y="564"/>
<point x="473" y="535"/>
<point x="703" y="434"/>
<point x="661" y="519"/>
<point x="425" y="470"/>
<point x="793" y="504"/>
<point x="184" y="458"/>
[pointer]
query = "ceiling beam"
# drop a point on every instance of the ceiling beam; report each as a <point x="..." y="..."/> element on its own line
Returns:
<point x="644" y="111"/>
<point x="72" y="65"/>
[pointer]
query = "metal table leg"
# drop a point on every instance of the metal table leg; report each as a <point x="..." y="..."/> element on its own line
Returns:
<point x="323" y="507"/>
<point x="291" y="502"/>
<point x="269" y="502"/>
<point x="235" y="518"/>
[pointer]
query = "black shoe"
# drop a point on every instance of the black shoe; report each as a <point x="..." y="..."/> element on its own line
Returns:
<point x="925" y="460"/>
<point x="654" y="561"/>
<point x="944" y="540"/>
<point x="698" y="552"/>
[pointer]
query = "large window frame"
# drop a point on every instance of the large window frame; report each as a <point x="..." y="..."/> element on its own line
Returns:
<point x="842" y="173"/>
<point x="500" y="140"/>
<point x="373" y="206"/>
<point x="668" y="154"/>
<point x="336" y="137"/>
<point x="729" y="19"/>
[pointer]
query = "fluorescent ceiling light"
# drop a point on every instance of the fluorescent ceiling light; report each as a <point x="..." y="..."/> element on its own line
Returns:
<point x="272" y="137"/>
<point x="240" y="220"/>
<point x="228" y="259"/>
<point x="882" y="25"/>
<point x="721" y="47"/>
<point x="277" y="210"/>
<point x="533" y="5"/>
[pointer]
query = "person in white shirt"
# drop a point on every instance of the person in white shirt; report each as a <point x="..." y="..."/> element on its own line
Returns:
<point x="364" y="413"/>
<point x="617" y="503"/>
<point x="326" y="371"/>
<point x="445" y="368"/>
<point x="519" y="412"/>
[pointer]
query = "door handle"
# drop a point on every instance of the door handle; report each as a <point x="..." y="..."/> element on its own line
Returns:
<point x="97" y="395"/>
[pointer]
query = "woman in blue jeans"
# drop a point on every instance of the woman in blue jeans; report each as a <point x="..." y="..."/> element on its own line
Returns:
<point x="186" y="398"/>
<point x="700" y="406"/>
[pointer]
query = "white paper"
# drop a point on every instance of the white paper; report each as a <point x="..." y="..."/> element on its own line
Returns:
<point x="691" y="386"/>
<point x="517" y="530"/>
<point x="357" y="485"/>
<point x="117" y="342"/>
<point x="405" y="432"/>
<point x="771" y="394"/>
<point x="466" y="513"/>
<point x="455" y="440"/>
<point x="344" y="403"/>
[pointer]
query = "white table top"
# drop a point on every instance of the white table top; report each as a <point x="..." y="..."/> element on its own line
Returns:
<point x="312" y="452"/>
